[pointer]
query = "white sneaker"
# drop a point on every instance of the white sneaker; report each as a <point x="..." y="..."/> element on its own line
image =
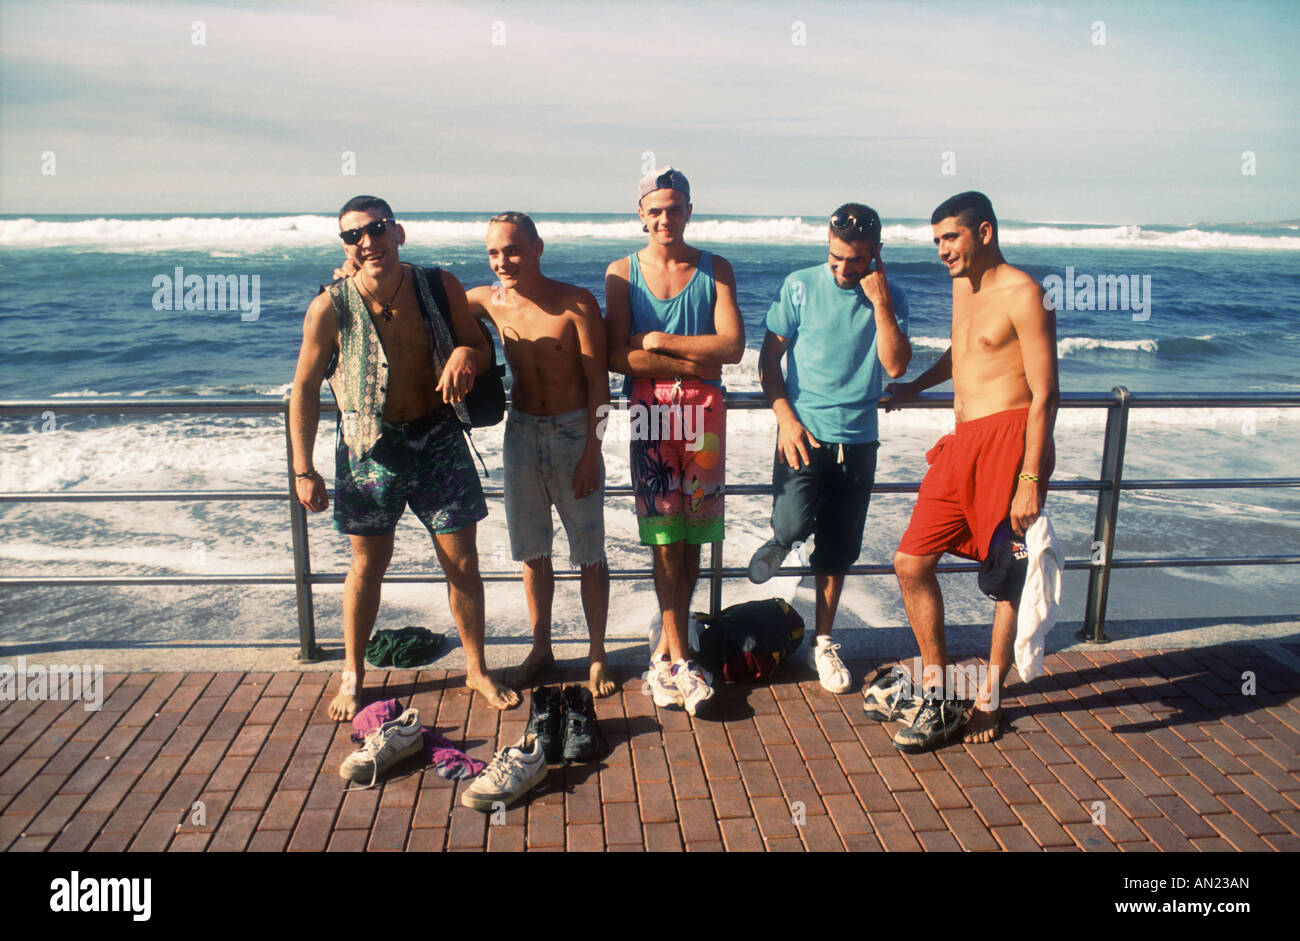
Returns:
<point x="660" y="680"/>
<point x="385" y="746"/>
<point x="512" y="772"/>
<point x="831" y="671"/>
<point x="692" y="684"/>
<point x="766" y="560"/>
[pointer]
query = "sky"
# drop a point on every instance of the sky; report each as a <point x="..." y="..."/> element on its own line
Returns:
<point x="1064" y="112"/>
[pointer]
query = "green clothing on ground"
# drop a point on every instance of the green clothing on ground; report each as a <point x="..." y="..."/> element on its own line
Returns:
<point x="403" y="649"/>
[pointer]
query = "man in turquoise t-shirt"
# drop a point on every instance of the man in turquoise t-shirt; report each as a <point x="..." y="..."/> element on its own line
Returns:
<point x="840" y="326"/>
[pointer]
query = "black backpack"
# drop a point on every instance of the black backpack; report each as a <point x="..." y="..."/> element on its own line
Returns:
<point x="486" y="402"/>
<point x="745" y="642"/>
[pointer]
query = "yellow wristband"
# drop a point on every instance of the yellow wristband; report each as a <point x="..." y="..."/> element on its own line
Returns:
<point x="1033" y="477"/>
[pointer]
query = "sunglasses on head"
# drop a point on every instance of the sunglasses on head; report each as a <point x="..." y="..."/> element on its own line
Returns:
<point x="374" y="229"/>
<point x="868" y="228"/>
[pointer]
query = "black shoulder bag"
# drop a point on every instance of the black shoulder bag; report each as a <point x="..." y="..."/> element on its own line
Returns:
<point x="486" y="401"/>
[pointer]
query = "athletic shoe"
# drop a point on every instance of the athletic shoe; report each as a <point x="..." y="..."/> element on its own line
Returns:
<point x="692" y="684"/>
<point x="662" y="687"/>
<point x="938" y="721"/>
<point x="831" y="671"/>
<point x="385" y="746"/>
<point x="582" y="738"/>
<point x="546" y="720"/>
<point x="766" y="561"/>
<point x="887" y="697"/>
<point x="510" y="775"/>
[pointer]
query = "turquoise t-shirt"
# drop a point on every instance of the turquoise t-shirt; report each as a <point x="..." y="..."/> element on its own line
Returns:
<point x="833" y="375"/>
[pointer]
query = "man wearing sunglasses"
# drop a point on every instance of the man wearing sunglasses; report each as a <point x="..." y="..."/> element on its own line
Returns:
<point x="672" y="323"/>
<point x="840" y="327"/>
<point x="400" y="373"/>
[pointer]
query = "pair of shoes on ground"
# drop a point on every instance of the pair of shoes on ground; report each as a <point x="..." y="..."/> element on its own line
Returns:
<point x="684" y="683"/>
<point x="384" y="747"/>
<point x="564" y="721"/>
<point x="887" y="696"/>
<point x="561" y="725"/>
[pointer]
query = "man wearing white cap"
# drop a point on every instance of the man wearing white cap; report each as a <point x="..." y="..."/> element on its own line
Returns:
<point x="672" y="323"/>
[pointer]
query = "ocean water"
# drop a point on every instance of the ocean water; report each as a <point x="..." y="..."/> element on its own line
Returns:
<point x="1210" y="309"/>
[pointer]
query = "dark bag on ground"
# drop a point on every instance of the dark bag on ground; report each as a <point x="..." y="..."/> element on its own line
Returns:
<point x="745" y="642"/>
<point x="486" y="402"/>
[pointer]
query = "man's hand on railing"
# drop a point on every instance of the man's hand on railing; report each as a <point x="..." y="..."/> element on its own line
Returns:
<point x="896" y="393"/>
<point x="311" y="492"/>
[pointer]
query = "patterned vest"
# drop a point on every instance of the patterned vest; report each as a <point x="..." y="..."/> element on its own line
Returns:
<point x="360" y="377"/>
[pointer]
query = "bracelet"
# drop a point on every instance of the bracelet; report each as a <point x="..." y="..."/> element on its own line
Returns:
<point x="310" y="473"/>
<point x="1033" y="477"/>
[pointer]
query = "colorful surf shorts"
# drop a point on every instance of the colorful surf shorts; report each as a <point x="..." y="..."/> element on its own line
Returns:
<point x="679" y="432"/>
<point x="540" y="455"/>
<point x="424" y="463"/>
<point x="968" y="489"/>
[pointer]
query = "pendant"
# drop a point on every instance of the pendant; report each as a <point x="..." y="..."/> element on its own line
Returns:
<point x="388" y="313"/>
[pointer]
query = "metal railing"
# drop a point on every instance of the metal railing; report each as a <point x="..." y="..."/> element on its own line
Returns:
<point x="1108" y="487"/>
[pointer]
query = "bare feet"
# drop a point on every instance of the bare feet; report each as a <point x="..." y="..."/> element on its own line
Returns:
<point x="499" y="695"/>
<point x="344" y="706"/>
<point x="982" y="726"/>
<point x="600" y="682"/>
<point x="536" y="661"/>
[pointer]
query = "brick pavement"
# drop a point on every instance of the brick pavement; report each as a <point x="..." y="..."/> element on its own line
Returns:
<point x="1111" y="750"/>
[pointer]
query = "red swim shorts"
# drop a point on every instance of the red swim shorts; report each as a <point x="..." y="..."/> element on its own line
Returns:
<point x="967" y="491"/>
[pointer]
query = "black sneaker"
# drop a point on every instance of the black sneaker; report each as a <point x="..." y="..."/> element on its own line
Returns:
<point x="582" y="738"/>
<point x="546" y="721"/>
<point x="937" y="722"/>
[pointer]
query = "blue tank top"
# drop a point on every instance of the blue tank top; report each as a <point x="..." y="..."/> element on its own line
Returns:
<point x="689" y="313"/>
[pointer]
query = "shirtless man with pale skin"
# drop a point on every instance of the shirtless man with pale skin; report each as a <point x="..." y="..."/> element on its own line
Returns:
<point x="995" y="466"/>
<point x="554" y="341"/>
<point x="414" y="452"/>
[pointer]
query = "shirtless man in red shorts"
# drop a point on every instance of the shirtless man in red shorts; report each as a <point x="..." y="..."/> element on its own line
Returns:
<point x="994" y="466"/>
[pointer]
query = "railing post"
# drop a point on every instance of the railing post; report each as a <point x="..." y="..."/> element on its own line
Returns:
<point x="1103" y="530"/>
<point x="308" y="652"/>
<point x="715" y="577"/>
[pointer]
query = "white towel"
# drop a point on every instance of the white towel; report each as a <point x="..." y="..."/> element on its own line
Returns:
<point x="1040" y="599"/>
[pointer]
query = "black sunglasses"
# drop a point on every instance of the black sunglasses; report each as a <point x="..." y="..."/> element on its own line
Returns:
<point x="869" y="228"/>
<point x="375" y="230"/>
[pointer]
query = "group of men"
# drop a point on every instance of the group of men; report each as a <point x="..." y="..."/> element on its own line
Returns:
<point x="401" y="364"/>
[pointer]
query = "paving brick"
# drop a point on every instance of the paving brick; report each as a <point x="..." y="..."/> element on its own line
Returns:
<point x="920" y="813"/>
<point x="1064" y="806"/>
<point x="942" y="790"/>
<point x="991" y="806"/>
<point x="874" y="794"/>
<point x="893" y="831"/>
<point x="236" y="829"/>
<point x="388" y="834"/>
<point x="730" y="798"/>
<point x="1255" y="817"/>
<point x="656" y="802"/>
<point x="741" y="834"/>
<point x="622" y="824"/>
<point x="1043" y="826"/>
<point x="969" y="829"/>
<point x="759" y="780"/>
<point x="1015" y="839"/>
<point x="312" y="833"/>
<point x="1164" y="834"/>
<point x="662" y="838"/>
